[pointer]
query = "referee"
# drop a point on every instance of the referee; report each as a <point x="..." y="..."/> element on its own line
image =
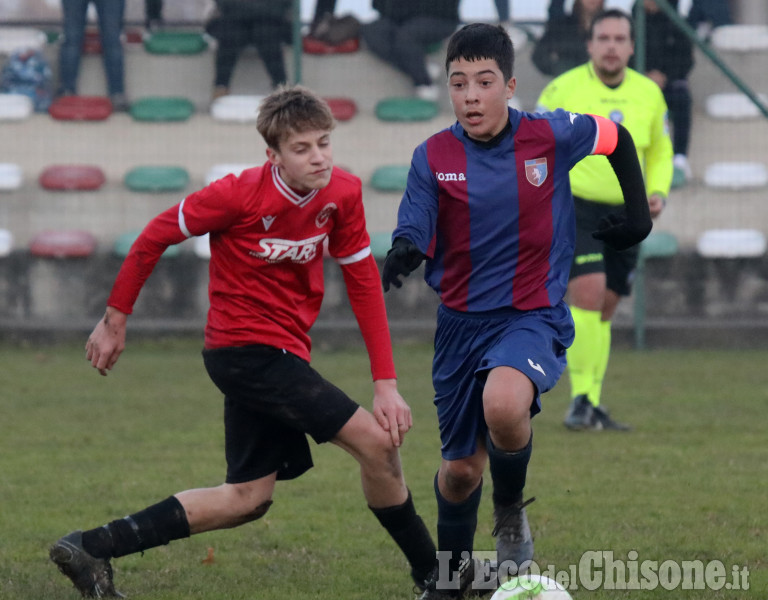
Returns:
<point x="599" y="275"/>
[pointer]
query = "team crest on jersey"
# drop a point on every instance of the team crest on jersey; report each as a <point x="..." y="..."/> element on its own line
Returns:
<point x="536" y="171"/>
<point x="616" y="116"/>
<point x="275" y="250"/>
<point x="322" y="217"/>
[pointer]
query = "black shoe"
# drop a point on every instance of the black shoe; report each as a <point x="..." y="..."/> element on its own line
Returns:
<point x="438" y="589"/>
<point x="601" y="420"/>
<point x="91" y="576"/>
<point x="580" y="414"/>
<point x="514" y="542"/>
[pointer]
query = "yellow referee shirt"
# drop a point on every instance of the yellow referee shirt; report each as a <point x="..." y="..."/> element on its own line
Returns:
<point x="638" y="104"/>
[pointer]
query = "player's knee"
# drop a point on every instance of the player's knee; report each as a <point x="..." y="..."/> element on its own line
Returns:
<point x="461" y="478"/>
<point x="503" y="411"/>
<point x="255" y="513"/>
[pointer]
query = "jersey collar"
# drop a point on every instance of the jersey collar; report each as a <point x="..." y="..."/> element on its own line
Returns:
<point x="290" y="194"/>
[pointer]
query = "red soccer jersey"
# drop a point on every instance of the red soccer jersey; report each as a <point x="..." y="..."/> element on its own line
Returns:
<point x="266" y="271"/>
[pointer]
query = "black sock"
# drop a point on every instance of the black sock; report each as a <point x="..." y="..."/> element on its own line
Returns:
<point x="411" y="535"/>
<point x="154" y="526"/>
<point x="508" y="472"/>
<point x="456" y="524"/>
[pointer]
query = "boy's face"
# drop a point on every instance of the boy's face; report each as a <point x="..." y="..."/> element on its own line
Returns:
<point x="479" y="96"/>
<point x="305" y="160"/>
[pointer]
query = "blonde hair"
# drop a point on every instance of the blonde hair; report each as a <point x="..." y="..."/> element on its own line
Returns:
<point x="289" y="110"/>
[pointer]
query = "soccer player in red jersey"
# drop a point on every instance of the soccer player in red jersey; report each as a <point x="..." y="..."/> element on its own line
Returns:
<point x="267" y="229"/>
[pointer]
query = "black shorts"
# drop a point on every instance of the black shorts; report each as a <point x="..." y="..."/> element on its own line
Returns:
<point x="594" y="256"/>
<point x="272" y="400"/>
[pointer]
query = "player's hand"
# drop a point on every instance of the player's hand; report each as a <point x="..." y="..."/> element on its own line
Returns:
<point x="620" y="234"/>
<point x="390" y="410"/>
<point x="656" y="203"/>
<point x="402" y="259"/>
<point x="107" y="341"/>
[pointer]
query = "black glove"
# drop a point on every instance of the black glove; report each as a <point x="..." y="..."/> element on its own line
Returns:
<point x="615" y="230"/>
<point x="403" y="258"/>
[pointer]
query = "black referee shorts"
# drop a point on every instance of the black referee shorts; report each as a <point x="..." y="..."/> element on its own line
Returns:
<point x="595" y="256"/>
<point x="272" y="400"/>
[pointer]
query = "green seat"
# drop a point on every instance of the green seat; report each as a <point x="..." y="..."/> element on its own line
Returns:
<point x="390" y="178"/>
<point x="155" y="108"/>
<point x="175" y="42"/>
<point x="406" y="109"/>
<point x="381" y="242"/>
<point x="659" y="244"/>
<point x="125" y="240"/>
<point x="156" y="179"/>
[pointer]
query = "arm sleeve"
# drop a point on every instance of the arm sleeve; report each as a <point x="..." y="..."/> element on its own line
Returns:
<point x="160" y="232"/>
<point x="417" y="214"/>
<point x="367" y="300"/>
<point x="627" y="167"/>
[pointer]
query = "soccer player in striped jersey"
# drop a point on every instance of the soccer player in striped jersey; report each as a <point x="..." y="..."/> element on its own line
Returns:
<point x="600" y="276"/>
<point x="488" y="204"/>
<point x="267" y="230"/>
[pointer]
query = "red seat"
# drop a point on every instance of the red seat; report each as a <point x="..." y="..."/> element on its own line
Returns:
<point x="313" y="46"/>
<point x="72" y="177"/>
<point x="343" y="109"/>
<point x="92" y="41"/>
<point x="81" y="108"/>
<point x="66" y="243"/>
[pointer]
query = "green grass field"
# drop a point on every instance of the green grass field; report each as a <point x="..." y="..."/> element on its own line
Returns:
<point x="78" y="450"/>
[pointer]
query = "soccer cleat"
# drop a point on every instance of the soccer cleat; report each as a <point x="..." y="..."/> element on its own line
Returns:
<point x="91" y="576"/>
<point x="438" y="589"/>
<point x="580" y="414"/>
<point x="601" y="420"/>
<point x="514" y="542"/>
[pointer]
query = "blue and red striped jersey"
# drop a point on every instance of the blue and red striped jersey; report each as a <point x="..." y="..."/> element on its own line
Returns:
<point x="497" y="221"/>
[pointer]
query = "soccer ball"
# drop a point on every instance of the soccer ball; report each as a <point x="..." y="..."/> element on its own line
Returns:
<point x="531" y="587"/>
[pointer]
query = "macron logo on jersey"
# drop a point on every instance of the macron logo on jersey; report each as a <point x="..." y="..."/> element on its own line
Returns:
<point x="275" y="250"/>
<point x="267" y="221"/>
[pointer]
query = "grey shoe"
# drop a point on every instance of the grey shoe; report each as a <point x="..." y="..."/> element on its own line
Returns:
<point x="91" y="576"/>
<point x="514" y="542"/>
<point x="580" y="414"/>
<point x="601" y="420"/>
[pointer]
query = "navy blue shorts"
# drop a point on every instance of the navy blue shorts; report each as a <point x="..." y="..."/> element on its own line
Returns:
<point x="469" y="345"/>
<point x="272" y="400"/>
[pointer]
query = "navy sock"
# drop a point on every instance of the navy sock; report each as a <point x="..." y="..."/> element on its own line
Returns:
<point x="411" y="535"/>
<point x="456" y="524"/>
<point x="154" y="526"/>
<point x="508" y="472"/>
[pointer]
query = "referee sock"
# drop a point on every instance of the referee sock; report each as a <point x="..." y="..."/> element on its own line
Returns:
<point x="583" y="355"/>
<point x="411" y="535"/>
<point x="154" y="526"/>
<point x="456" y="525"/>
<point x="602" y="354"/>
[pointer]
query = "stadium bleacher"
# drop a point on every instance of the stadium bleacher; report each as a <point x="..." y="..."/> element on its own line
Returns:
<point x="364" y="144"/>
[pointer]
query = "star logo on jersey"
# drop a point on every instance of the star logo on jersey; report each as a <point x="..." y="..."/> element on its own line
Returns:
<point x="267" y="221"/>
<point x="275" y="250"/>
<point x="536" y="171"/>
<point x="322" y="217"/>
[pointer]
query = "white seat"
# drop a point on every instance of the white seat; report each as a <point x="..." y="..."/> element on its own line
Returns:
<point x="6" y="242"/>
<point x="10" y="176"/>
<point x="733" y="106"/>
<point x="222" y="170"/>
<point x="15" y="107"/>
<point x="202" y="246"/>
<point x="736" y="175"/>
<point x="731" y="243"/>
<point x="740" y="38"/>
<point x="236" y="108"/>
<point x="21" y="38"/>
